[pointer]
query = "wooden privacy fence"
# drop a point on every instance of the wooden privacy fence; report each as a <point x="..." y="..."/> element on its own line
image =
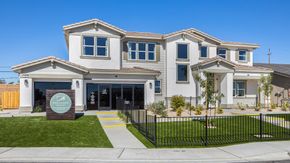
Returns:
<point x="9" y="96"/>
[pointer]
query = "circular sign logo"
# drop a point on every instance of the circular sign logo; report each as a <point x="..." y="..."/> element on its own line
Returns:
<point x="60" y="103"/>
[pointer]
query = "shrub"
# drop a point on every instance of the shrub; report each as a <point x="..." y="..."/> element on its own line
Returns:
<point x="37" y="109"/>
<point x="273" y="106"/>
<point x="176" y="102"/>
<point x="220" y="110"/>
<point x="179" y="111"/>
<point x="241" y="106"/>
<point x="192" y="108"/>
<point x="285" y="106"/>
<point x="258" y="107"/>
<point x="158" y="108"/>
<point x="198" y="110"/>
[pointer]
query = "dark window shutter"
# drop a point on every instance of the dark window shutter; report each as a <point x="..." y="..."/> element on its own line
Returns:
<point x="157" y="52"/>
<point x="125" y="50"/>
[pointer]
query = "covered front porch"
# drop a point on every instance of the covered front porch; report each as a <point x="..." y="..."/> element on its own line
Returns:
<point x="238" y="84"/>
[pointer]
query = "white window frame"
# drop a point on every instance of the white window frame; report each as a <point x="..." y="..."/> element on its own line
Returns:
<point x="160" y="86"/>
<point x="83" y="46"/>
<point x="130" y="50"/>
<point x="187" y="46"/>
<point x="142" y="51"/>
<point x="206" y="51"/>
<point x="187" y="74"/>
<point x="154" y="52"/>
<point x="95" y="46"/>
<point x="223" y="54"/>
<point x="245" y="55"/>
<point x="99" y="46"/>
<point x="239" y="89"/>
<point x="137" y="51"/>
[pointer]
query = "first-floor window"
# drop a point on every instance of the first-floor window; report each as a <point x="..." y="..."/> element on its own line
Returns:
<point x="239" y="88"/>
<point x="182" y="72"/>
<point x="157" y="86"/>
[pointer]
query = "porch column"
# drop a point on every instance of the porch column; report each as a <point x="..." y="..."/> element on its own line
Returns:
<point x="199" y="90"/>
<point x="227" y="89"/>
<point x="26" y="94"/>
<point x="78" y="86"/>
<point x="149" y="94"/>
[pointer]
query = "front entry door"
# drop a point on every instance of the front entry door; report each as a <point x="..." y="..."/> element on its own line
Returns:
<point x="105" y="96"/>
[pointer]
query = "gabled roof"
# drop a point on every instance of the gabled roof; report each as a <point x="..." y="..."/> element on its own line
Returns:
<point x="280" y="69"/>
<point x="95" y="22"/>
<point x="192" y="32"/>
<point x="236" y="67"/>
<point x="51" y="59"/>
<point x="144" y="35"/>
<point x="183" y="32"/>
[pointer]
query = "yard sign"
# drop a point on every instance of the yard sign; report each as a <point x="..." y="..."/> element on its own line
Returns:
<point x="60" y="104"/>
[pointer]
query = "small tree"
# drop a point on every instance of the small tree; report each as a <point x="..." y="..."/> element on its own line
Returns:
<point x="208" y="88"/>
<point x="277" y="95"/>
<point x="176" y="102"/>
<point x="217" y="99"/>
<point x="267" y="88"/>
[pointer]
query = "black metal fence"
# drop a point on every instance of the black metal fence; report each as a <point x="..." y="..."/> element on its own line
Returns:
<point x="209" y="130"/>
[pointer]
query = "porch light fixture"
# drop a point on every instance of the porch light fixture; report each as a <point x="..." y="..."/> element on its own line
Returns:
<point x="26" y="82"/>
<point x="150" y="85"/>
<point x="77" y="84"/>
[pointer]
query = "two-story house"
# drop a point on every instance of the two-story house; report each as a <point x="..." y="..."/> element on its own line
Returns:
<point x="107" y="63"/>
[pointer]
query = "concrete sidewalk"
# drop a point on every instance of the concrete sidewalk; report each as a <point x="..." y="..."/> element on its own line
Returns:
<point x="251" y="152"/>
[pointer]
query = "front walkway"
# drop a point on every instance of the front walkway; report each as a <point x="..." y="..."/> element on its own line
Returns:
<point x="262" y="151"/>
<point x="116" y="131"/>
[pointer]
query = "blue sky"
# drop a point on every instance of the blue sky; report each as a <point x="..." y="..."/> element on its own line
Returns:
<point x="32" y="29"/>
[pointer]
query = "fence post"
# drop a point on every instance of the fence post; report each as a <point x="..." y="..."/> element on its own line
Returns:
<point x="261" y="126"/>
<point x="155" y="123"/>
<point x="138" y="114"/>
<point x="206" y="131"/>
<point x="146" y="126"/>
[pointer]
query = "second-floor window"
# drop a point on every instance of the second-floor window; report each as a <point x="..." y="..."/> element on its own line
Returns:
<point x="141" y="51"/>
<point x="222" y="53"/>
<point x="182" y="51"/>
<point x="242" y="55"/>
<point x="203" y="52"/>
<point x="95" y="46"/>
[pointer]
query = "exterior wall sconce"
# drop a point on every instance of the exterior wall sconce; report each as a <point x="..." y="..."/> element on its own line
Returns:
<point x="26" y="82"/>
<point x="77" y="84"/>
<point x="150" y="85"/>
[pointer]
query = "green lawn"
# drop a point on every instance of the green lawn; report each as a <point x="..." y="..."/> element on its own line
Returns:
<point x="85" y="131"/>
<point x="225" y="130"/>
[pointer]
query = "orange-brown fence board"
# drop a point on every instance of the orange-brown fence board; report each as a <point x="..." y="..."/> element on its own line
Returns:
<point x="10" y="100"/>
<point x="9" y="96"/>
